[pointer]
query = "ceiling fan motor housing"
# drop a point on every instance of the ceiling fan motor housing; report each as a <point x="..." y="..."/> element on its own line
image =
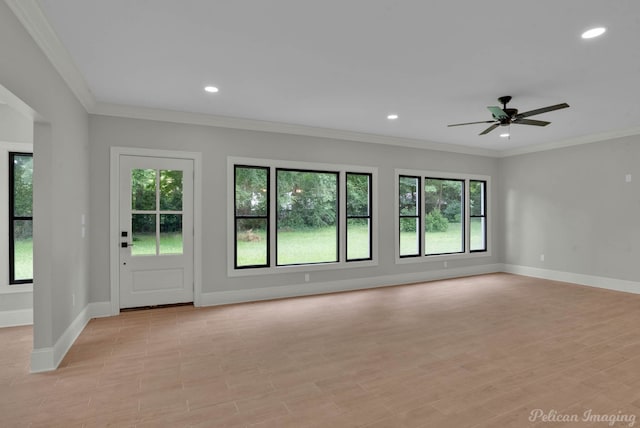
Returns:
<point x="511" y="113"/>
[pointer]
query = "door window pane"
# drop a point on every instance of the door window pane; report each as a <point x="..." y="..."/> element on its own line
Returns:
<point x="171" y="234"/>
<point x="143" y="189"/>
<point x="307" y="223"/>
<point x="143" y="234"/>
<point x="444" y="220"/>
<point x="170" y="190"/>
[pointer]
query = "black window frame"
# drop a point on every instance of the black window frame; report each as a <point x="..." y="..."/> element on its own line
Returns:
<point x="367" y="217"/>
<point x="337" y="174"/>
<point x="237" y="217"/>
<point x="13" y="218"/>
<point x="463" y="220"/>
<point x="483" y="216"/>
<point x="418" y="215"/>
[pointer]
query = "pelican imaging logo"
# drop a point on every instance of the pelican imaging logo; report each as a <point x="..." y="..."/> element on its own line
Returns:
<point x="626" y="419"/>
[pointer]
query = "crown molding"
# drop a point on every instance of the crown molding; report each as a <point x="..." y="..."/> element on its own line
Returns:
<point x="585" y="139"/>
<point x="35" y="22"/>
<point x="30" y="14"/>
<point x="125" y="111"/>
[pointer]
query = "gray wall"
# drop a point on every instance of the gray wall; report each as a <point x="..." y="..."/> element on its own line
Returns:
<point x="574" y="206"/>
<point x="216" y="144"/>
<point x="15" y="127"/>
<point x="61" y="181"/>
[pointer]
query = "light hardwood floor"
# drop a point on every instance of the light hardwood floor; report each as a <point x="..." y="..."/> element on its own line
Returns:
<point x="479" y="352"/>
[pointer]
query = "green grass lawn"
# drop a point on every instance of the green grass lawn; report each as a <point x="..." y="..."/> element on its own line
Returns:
<point x="23" y="251"/>
<point x="304" y="246"/>
<point x="294" y="247"/>
<point x="308" y="246"/>
<point x="145" y="244"/>
<point x="442" y="242"/>
<point x="319" y="245"/>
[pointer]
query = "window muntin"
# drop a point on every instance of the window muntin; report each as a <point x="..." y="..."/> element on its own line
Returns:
<point x="156" y="212"/>
<point x="251" y="216"/>
<point x="444" y="216"/>
<point x="463" y="241"/>
<point x="20" y="218"/>
<point x="307" y="219"/>
<point x="478" y="215"/>
<point x="351" y="242"/>
<point x="410" y="215"/>
<point x="358" y="216"/>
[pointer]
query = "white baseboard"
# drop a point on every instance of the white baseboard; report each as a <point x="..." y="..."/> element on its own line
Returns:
<point x="575" y="278"/>
<point x="16" y="318"/>
<point x="100" y="309"/>
<point x="47" y="359"/>
<point x="306" y="289"/>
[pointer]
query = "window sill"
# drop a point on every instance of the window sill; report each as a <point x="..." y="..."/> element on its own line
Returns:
<point x="16" y="288"/>
<point x="441" y="257"/>
<point x="301" y="268"/>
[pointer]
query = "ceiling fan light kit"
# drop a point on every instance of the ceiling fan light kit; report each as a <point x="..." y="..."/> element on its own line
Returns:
<point x="504" y="116"/>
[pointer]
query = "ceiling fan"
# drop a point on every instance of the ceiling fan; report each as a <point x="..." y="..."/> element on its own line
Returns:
<point x="506" y="116"/>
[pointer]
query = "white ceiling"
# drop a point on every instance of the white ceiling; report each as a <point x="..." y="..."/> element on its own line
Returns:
<point x="346" y="64"/>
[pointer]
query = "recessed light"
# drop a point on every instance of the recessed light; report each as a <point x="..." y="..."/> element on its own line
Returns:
<point x="211" y="89"/>
<point x="392" y="116"/>
<point x="593" y="32"/>
<point x="505" y="135"/>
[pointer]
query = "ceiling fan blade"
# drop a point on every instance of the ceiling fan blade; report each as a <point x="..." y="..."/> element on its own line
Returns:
<point x="531" y="122"/>
<point x="542" y="110"/>
<point x="497" y="112"/>
<point x="489" y="129"/>
<point x="471" y="123"/>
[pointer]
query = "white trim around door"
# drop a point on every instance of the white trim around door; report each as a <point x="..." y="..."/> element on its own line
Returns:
<point x="114" y="210"/>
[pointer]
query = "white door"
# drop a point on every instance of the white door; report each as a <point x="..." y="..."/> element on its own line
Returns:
<point x="156" y="231"/>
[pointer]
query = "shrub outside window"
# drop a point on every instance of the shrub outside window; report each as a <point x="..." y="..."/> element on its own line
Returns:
<point x="452" y="221"/>
<point x="307" y="229"/>
<point x="444" y="216"/>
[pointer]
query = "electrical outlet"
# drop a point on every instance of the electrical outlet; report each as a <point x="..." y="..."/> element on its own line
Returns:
<point x="541" y="257"/>
<point x="306" y="277"/>
<point x="627" y="178"/>
<point x="445" y="264"/>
